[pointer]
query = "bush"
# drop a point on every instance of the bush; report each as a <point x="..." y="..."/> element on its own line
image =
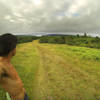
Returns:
<point x="24" y="39"/>
<point x="92" y="42"/>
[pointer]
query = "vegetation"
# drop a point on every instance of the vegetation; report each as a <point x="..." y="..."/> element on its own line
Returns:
<point x="83" y="41"/>
<point x="58" y="72"/>
<point x="26" y="64"/>
<point x="24" y="39"/>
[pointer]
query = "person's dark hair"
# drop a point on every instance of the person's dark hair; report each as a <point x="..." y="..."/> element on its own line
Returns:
<point x="8" y="42"/>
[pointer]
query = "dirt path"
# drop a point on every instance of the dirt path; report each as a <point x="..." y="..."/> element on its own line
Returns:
<point x="59" y="80"/>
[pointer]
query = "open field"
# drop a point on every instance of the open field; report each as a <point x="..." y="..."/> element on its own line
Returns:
<point x="58" y="71"/>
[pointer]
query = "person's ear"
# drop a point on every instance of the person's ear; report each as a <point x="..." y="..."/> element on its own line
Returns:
<point x="14" y="52"/>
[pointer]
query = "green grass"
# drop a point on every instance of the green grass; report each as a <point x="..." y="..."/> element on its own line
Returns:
<point x="58" y="72"/>
<point x="26" y="63"/>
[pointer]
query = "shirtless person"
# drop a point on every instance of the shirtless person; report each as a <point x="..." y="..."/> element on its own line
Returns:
<point x="9" y="78"/>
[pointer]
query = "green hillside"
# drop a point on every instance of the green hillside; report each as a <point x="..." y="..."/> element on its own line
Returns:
<point x="58" y="71"/>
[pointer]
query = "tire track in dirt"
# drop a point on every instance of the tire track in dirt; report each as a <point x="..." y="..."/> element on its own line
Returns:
<point x="55" y="77"/>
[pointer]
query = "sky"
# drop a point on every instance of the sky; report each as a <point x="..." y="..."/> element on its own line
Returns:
<point x="29" y="16"/>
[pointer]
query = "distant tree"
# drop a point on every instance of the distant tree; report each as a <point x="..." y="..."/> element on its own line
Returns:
<point x="97" y="37"/>
<point x="85" y="34"/>
<point x="78" y="35"/>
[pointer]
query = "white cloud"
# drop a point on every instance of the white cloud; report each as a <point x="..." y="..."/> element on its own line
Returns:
<point x="8" y="17"/>
<point x="49" y="15"/>
<point x="17" y="14"/>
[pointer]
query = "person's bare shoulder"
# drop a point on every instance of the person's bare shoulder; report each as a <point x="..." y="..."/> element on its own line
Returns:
<point x="3" y="71"/>
<point x="1" y="66"/>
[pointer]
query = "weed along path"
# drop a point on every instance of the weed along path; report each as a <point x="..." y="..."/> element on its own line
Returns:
<point x="59" y="78"/>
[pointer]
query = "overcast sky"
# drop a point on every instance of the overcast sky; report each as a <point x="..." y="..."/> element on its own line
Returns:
<point x="28" y="16"/>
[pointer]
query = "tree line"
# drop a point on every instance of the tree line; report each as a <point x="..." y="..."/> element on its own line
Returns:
<point x="85" y="41"/>
<point x="24" y="39"/>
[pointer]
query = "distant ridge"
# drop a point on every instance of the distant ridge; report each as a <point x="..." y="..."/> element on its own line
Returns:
<point x="55" y="35"/>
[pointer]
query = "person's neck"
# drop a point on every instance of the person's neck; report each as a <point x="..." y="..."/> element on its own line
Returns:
<point x="6" y="59"/>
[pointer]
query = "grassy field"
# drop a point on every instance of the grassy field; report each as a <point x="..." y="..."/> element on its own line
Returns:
<point x="58" y="72"/>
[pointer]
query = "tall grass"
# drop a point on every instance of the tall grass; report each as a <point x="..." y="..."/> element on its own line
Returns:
<point x="58" y="71"/>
